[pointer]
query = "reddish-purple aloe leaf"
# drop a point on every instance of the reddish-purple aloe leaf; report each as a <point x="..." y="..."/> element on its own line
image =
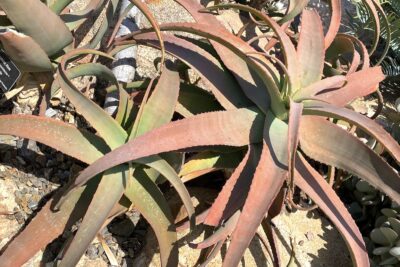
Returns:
<point x="183" y="226"/>
<point x="367" y="125"/>
<point x="295" y="8"/>
<point x="47" y="29"/>
<point x="334" y="25"/>
<point x="216" y="249"/>
<point x="220" y="234"/>
<point x="249" y="82"/>
<point x="295" y="114"/>
<point x="355" y="62"/>
<point x="325" y="142"/>
<point x="153" y="206"/>
<point x="289" y="51"/>
<point x="375" y="18"/>
<point x="327" y="84"/>
<point x="25" y="52"/>
<point x="240" y="50"/>
<point x="108" y="193"/>
<point x="278" y="204"/>
<point x="273" y="242"/>
<point x="388" y="36"/>
<point x="359" y="84"/>
<point x="362" y="49"/>
<point x="315" y="186"/>
<point x="311" y="49"/>
<point x="268" y="180"/>
<point x="229" y="128"/>
<point x="233" y="194"/>
<point x="66" y="138"/>
<point x="217" y="79"/>
<point x="160" y="107"/>
<point x="44" y="228"/>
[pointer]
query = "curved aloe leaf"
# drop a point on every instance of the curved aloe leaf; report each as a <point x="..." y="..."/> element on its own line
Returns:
<point x="367" y="125"/>
<point x="266" y="184"/>
<point x="233" y="195"/>
<point x="327" y="143"/>
<point x="25" y="52"/>
<point x="59" y="5"/>
<point x="295" y="114"/>
<point x="217" y="79"/>
<point x="76" y="19"/>
<point x="47" y="29"/>
<point x="66" y="138"/>
<point x="108" y="193"/>
<point x="295" y="8"/>
<point x="220" y="234"/>
<point x="327" y="84"/>
<point x="230" y="128"/>
<point x="315" y="186"/>
<point x="334" y="25"/>
<point x="359" y="84"/>
<point x="311" y="49"/>
<point x="152" y="205"/>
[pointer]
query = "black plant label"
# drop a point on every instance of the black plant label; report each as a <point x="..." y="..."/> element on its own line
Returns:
<point x="9" y="73"/>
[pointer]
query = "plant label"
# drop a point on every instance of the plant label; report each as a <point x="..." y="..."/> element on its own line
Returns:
<point x="9" y="73"/>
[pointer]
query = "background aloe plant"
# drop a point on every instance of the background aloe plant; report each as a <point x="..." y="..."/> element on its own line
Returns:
<point x="270" y="111"/>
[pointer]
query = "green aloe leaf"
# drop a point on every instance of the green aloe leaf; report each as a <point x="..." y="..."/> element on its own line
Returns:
<point x="152" y="205"/>
<point x="384" y="236"/>
<point x="25" y="52"/>
<point x="295" y="8"/>
<point x="47" y="29"/>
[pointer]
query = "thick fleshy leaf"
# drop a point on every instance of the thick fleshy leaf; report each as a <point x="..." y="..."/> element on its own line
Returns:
<point x="267" y="182"/>
<point x="152" y="205"/>
<point x="215" y="76"/>
<point x="205" y="162"/>
<point x="46" y="226"/>
<point x="214" y="252"/>
<point x="160" y="107"/>
<point x="328" y="143"/>
<point x="315" y="186"/>
<point x="289" y="51"/>
<point x="367" y="125"/>
<point x="359" y="84"/>
<point x="295" y="114"/>
<point x="64" y="137"/>
<point x="248" y="80"/>
<point x="327" y="84"/>
<point x="220" y="234"/>
<point x="229" y="128"/>
<point x="295" y="8"/>
<point x="233" y="195"/>
<point x="77" y="18"/>
<point x="311" y="49"/>
<point x="361" y="48"/>
<point x="377" y="27"/>
<point x="108" y="193"/>
<point x="239" y="50"/>
<point x="273" y="242"/>
<point x="334" y="25"/>
<point x="109" y="129"/>
<point x="46" y="28"/>
<point x="25" y="52"/>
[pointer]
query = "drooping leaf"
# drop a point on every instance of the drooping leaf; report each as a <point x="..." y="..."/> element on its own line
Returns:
<point x="295" y="8"/>
<point x="327" y="84"/>
<point x="75" y="19"/>
<point x="47" y="29"/>
<point x="327" y="143"/>
<point x="215" y="76"/>
<point x="315" y="186"/>
<point x="334" y="25"/>
<point x="25" y="52"/>
<point x="230" y="128"/>
<point x="64" y="137"/>
<point x="367" y="125"/>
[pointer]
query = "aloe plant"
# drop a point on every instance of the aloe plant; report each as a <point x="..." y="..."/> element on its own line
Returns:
<point x="265" y="118"/>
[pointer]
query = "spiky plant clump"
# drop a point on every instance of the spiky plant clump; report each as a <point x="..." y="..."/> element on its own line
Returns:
<point x="276" y="105"/>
